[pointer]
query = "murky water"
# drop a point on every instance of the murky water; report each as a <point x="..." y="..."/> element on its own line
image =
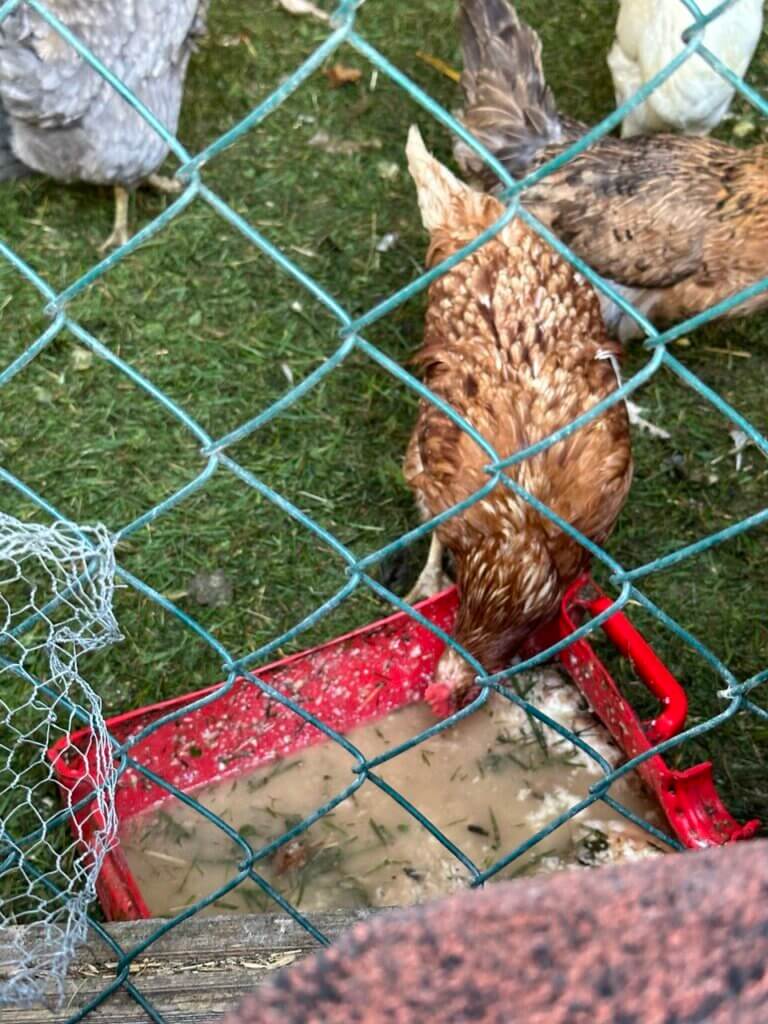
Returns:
<point x="489" y="783"/>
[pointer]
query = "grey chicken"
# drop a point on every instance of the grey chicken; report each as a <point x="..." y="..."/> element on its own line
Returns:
<point x="60" y="117"/>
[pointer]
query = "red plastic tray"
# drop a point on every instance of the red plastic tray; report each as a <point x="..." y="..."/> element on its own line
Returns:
<point x="688" y="798"/>
<point x="351" y="681"/>
<point x="345" y="683"/>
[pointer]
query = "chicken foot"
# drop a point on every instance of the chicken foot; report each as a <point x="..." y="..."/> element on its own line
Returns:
<point x="161" y="183"/>
<point x="120" y="233"/>
<point x="432" y="579"/>
<point x="634" y="412"/>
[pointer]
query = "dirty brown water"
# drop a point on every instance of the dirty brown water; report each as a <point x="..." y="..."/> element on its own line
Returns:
<point x="488" y="783"/>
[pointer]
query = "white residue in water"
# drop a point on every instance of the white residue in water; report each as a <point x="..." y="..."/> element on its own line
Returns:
<point x="488" y="784"/>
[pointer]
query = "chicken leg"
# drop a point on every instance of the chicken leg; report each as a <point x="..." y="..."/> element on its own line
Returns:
<point x="634" y="412"/>
<point x="432" y="579"/>
<point x="119" y="234"/>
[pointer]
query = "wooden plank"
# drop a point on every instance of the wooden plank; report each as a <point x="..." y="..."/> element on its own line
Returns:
<point x="196" y="971"/>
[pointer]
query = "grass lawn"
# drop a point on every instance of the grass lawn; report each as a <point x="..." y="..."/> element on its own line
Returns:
<point x="223" y="332"/>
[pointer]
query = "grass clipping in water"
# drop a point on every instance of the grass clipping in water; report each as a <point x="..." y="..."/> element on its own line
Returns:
<point x="488" y="785"/>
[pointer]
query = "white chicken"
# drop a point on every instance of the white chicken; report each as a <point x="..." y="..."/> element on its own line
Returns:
<point x="695" y="98"/>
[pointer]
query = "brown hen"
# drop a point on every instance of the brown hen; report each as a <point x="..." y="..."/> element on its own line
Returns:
<point x="515" y="343"/>
<point x="678" y="223"/>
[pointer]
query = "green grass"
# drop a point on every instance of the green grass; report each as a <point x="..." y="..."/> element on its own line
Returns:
<point x="222" y="330"/>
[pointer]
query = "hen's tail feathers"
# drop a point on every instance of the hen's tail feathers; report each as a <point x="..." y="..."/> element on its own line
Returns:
<point x="10" y="167"/>
<point x="437" y="188"/>
<point x="508" y="105"/>
<point x="446" y="204"/>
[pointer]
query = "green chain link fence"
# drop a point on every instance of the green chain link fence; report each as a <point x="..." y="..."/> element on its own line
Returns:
<point x="215" y="458"/>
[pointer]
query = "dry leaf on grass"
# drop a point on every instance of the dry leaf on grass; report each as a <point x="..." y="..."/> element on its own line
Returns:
<point x="339" y="74"/>
<point x="743" y="127"/>
<point x="387" y="170"/>
<point x="302" y="7"/>
<point x="80" y="358"/>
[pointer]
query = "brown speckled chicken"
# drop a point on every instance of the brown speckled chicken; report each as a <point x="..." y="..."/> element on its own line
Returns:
<point x="674" y="940"/>
<point x="515" y="343"/>
<point x="679" y="223"/>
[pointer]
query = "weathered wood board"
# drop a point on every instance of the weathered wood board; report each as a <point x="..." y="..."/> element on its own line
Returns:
<point x="192" y="974"/>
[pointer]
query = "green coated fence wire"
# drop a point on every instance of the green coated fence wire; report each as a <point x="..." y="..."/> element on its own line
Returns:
<point x="216" y="458"/>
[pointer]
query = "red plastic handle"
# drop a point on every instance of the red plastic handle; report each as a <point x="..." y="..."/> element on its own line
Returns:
<point x="652" y="671"/>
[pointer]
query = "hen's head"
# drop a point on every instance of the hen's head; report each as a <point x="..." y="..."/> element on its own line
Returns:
<point x="453" y="685"/>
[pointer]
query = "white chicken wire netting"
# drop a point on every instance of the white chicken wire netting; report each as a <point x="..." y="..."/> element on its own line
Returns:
<point x="56" y="592"/>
